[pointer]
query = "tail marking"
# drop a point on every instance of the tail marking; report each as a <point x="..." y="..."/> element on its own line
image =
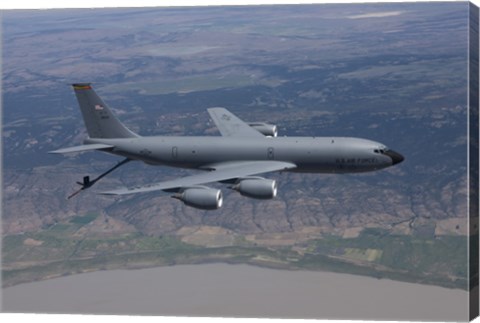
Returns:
<point x="99" y="119"/>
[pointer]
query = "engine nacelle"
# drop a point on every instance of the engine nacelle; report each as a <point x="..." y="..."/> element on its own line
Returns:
<point x="265" y="128"/>
<point x="201" y="198"/>
<point x="259" y="188"/>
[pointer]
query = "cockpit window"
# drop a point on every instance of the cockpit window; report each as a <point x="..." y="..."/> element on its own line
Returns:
<point x="381" y="150"/>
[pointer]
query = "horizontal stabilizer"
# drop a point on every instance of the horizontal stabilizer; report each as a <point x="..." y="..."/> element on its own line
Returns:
<point x="82" y="148"/>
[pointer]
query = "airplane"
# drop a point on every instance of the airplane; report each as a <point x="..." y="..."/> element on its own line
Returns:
<point x="237" y="157"/>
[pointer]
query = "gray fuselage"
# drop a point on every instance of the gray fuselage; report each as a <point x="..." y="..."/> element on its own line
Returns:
<point x="310" y="154"/>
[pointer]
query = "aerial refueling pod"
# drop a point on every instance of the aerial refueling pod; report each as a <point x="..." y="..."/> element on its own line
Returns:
<point x="256" y="187"/>
<point x="265" y="129"/>
<point x="201" y="197"/>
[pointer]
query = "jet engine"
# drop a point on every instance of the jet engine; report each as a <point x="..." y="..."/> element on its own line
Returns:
<point x="256" y="187"/>
<point x="201" y="198"/>
<point x="265" y="128"/>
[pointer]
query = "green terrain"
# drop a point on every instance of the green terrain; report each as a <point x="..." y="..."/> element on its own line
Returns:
<point x="62" y="249"/>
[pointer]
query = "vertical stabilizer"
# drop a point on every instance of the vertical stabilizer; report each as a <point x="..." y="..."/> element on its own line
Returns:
<point x="98" y="118"/>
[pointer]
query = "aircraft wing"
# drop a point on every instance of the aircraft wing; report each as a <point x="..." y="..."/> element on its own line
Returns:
<point x="230" y="125"/>
<point x="219" y="172"/>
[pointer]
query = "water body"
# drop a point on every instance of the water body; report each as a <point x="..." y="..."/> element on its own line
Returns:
<point x="237" y="291"/>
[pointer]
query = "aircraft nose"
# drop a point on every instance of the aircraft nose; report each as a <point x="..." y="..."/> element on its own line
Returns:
<point x="396" y="157"/>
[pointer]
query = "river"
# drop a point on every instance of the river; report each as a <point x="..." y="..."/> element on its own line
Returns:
<point x="237" y="291"/>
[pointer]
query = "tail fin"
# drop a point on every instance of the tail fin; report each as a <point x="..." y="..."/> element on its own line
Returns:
<point x="98" y="118"/>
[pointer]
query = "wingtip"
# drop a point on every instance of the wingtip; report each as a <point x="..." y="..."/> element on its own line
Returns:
<point x="82" y="86"/>
<point x="110" y="193"/>
<point x="116" y="192"/>
<point x="55" y="152"/>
